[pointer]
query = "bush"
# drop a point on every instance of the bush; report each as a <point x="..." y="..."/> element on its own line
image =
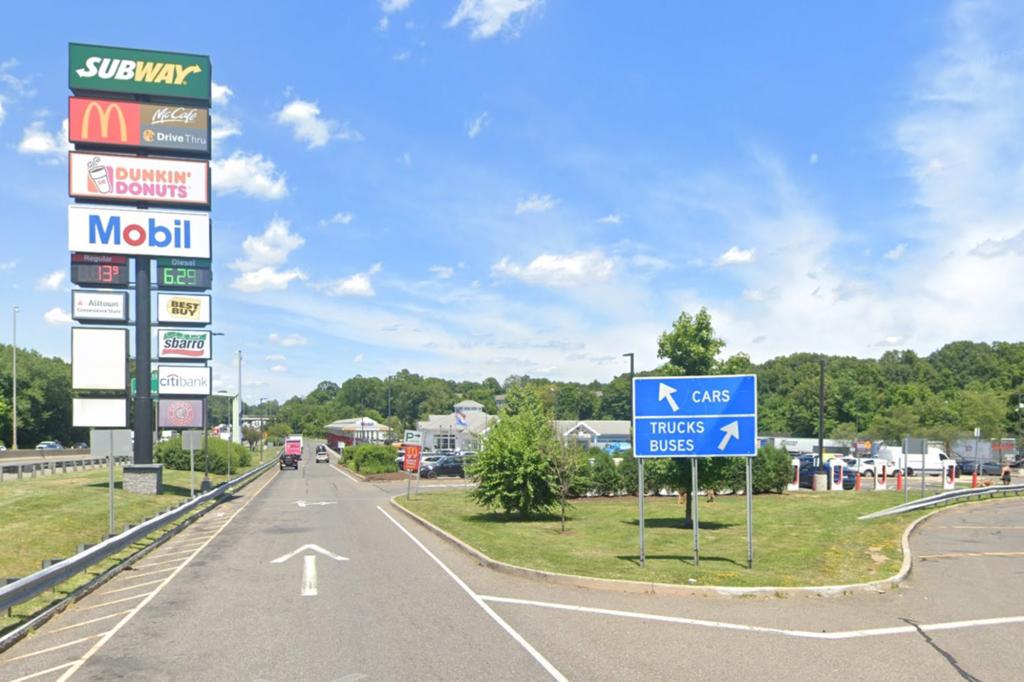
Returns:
<point x="604" y="475"/>
<point x="173" y="456"/>
<point x="628" y="472"/>
<point x="771" y="471"/>
<point x="370" y="459"/>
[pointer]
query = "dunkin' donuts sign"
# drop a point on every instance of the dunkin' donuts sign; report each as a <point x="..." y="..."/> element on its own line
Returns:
<point x="138" y="179"/>
<point x="118" y="123"/>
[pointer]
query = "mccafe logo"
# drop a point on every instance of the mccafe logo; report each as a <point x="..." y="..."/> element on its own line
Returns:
<point x="174" y="116"/>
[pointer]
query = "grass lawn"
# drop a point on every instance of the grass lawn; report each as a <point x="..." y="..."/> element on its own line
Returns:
<point x="799" y="538"/>
<point x="47" y="517"/>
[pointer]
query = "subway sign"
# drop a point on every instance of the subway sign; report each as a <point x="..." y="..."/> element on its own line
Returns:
<point x="152" y="127"/>
<point x="95" y="68"/>
<point x="132" y="232"/>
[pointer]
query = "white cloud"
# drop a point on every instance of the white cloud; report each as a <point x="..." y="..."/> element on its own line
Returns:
<point x="274" y="357"/>
<point x="477" y="125"/>
<point x="36" y="140"/>
<point x="19" y="86"/>
<point x="642" y="260"/>
<point x="220" y="94"/>
<point x="222" y="127"/>
<point x="813" y="160"/>
<point x="405" y="159"/>
<point x="735" y="256"/>
<point x="52" y="281"/>
<point x="57" y="316"/>
<point x="358" y="358"/>
<point x="8" y="265"/>
<point x="554" y="270"/>
<point x="442" y="271"/>
<point x="287" y="340"/>
<point x="489" y="17"/>
<point x="535" y="203"/>
<point x="3" y="113"/>
<point x="263" y="254"/>
<point x="402" y="56"/>
<point x="358" y="284"/>
<point x="993" y="248"/>
<point x="896" y="252"/>
<point x="340" y="218"/>
<point x="382" y="25"/>
<point x="389" y="6"/>
<point x="248" y="174"/>
<point x="279" y="368"/>
<point x="309" y="127"/>
<point x="610" y="219"/>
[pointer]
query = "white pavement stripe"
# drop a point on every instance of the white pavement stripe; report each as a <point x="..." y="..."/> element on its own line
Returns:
<point x="346" y="474"/>
<point x="164" y="555"/>
<point x="129" y="588"/>
<point x="84" y="622"/>
<point x="47" y="650"/>
<point x="803" y="634"/>
<point x="131" y="614"/>
<point x="133" y="575"/>
<point x="110" y="603"/>
<point x="537" y="656"/>
<point x="43" y="672"/>
<point x="309" y="575"/>
<point x="163" y="563"/>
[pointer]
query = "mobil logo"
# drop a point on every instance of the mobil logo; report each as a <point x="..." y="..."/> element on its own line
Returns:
<point x="92" y="229"/>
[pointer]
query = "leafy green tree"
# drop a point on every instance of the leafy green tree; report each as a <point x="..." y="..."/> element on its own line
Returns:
<point x="513" y="470"/>
<point x="569" y="466"/>
<point x="604" y="475"/>
<point x="691" y="344"/>
<point x="770" y="471"/>
<point x="573" y="401"/>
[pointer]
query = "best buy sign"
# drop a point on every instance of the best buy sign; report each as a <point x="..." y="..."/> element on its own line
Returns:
<point x="95" y="68"/>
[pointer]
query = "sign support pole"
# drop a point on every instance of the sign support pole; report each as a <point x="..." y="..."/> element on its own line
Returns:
<point x="110" y="483"/>
<point x="750" y="513"/>
<point x="696" y="511"/>
<point x="640" y="497"/>
<point x="191" y="469"/>
<point x="143" y="349"/>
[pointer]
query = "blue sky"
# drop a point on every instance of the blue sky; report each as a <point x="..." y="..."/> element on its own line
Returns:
<point x="473" y="188"/>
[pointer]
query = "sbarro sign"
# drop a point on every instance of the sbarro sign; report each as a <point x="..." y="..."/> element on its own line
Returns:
<point x="138" y="233"/>
<point x="183" y="344"/>
<point x="117" y="177"/>
<point x="183" y="380"/>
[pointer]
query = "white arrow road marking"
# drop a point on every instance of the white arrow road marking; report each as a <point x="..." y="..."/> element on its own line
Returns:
<point x="309" y="575"/>
<point x="665" y="393"/>
<point x="732" y="430"/>
<point x="304" y="504"/>
<point x="315" y="548"/>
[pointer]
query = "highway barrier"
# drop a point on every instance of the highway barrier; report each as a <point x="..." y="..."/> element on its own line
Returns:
<point x="947" y="498"/>
<point x="28" y="587"/>
<point x="20" y="470"/>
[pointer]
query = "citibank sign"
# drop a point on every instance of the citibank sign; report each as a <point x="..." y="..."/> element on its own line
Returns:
<point x="183" y="380"/>
<point x="138" y="233"/>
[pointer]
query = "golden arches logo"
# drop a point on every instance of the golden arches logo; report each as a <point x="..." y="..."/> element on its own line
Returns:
<point x="104" y="114"/>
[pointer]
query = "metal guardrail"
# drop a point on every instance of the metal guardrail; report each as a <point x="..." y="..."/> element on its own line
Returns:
<point x="950" y="496"/>
<point x="30" y="586"/>
<point x="20" y="469"/>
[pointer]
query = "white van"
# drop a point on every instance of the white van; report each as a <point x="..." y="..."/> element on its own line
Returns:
<point x="932" y="462"/>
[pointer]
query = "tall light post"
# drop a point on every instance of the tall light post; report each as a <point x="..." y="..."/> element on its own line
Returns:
<point x="14" y="380"/>
<point x="262" y="426"/>
<point x="236" y="428"/>
<point x="639" y="462"/>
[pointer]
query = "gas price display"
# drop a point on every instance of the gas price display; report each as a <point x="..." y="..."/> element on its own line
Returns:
<point x="184" y="273"/>
<point x="99" y="270"/>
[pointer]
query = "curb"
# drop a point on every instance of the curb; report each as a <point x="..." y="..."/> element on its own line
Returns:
<point x="638" y="587"/>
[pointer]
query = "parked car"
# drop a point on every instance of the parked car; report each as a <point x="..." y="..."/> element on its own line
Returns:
<point x="50" y="445"/>
<point x="811" y="464"/>
<point x="865" y="465"/>
<point x="445" y="466"/>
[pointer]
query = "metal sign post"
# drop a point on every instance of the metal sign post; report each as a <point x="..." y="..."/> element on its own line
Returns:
<point x="110" y="483"/>
<point x="696" y="511"/>
<point x="640" y="497"/>
<point x="750" y="512"/>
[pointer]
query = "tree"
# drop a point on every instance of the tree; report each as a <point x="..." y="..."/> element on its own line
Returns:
<point x="691" y="344"/>
<point x="567" y="463"/>
<point x="513" y="470"/>
<point x="604" y="475"/>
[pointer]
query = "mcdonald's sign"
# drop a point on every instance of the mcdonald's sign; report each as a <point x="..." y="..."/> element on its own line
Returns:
<point x="119" y="123"/>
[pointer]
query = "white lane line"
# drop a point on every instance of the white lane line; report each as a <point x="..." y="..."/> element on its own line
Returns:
<point x="967" y="555"/>
<point x="129" y="588"/>
<point x="131" y="614"/>
<point x="109" y="603"/>
<point x="133" y="575"/>
<point x="803" y="634"/>
<point x="309" y="575"/>
<point x="54" y="648"/>
<point x="346" y="475"/>
<point x="84" y="622"/>
<point x="162" y="563"/>
<point x="164" y="555"/>
<point x="43" y="672"/>
<point x="537" y="656"/>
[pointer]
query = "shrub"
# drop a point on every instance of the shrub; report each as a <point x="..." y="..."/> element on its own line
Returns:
<point x="771" y="471"/>
<point x="173" y="456"/>
<point x="628" y="472"/>
<point x="604" y="475"/>
<point x="370" y="459"/>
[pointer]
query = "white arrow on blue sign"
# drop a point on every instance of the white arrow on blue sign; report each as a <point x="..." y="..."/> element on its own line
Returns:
<point x="703" y="416"/>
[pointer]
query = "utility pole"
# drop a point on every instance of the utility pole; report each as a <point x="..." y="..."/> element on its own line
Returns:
<point x="238" y="425"/>
<point x="14" y="382"/>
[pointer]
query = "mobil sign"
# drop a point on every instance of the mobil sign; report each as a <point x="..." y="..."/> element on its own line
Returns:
<point x="138" y="233"/>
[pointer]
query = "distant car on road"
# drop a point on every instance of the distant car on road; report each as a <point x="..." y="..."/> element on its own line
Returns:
<point x="50" y="445"/>
<point x="80" y="446"/>
<point x="289" y="461"/>
<point x="321" y="456"/>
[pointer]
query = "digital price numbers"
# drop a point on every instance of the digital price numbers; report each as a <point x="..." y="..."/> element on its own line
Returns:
<point x="99" y="270"/>
<point x="184" y="273"/>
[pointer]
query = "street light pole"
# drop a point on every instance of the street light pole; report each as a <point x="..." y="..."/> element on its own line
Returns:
<point x="262" y="426"/>
<point x="14" y="381"/>
<point x="639" y="462"/>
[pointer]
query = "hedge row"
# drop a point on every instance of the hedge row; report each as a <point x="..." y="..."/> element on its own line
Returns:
<point x="173" y="456"/>
<point x="370" y="459"/>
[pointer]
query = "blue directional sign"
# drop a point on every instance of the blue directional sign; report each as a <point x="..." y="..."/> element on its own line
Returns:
<point x="714" y="416"/>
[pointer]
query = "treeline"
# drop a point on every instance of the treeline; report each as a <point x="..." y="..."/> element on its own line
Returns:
<point x="44" y="399"/>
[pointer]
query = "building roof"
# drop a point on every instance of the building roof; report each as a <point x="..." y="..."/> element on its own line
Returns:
<point x="354" y="425"/>
<point x="470" y="404"/>
<point x="595" y="427"/>
<point x="476" y="422"/>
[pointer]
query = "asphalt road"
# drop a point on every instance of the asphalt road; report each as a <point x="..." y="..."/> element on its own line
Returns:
<point x="213" y="605"/>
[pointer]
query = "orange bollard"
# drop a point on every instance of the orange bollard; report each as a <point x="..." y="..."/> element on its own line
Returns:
<point x="899" y="481"/>
<point x="856" y="486"/>
<point x="974" y="479"/>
